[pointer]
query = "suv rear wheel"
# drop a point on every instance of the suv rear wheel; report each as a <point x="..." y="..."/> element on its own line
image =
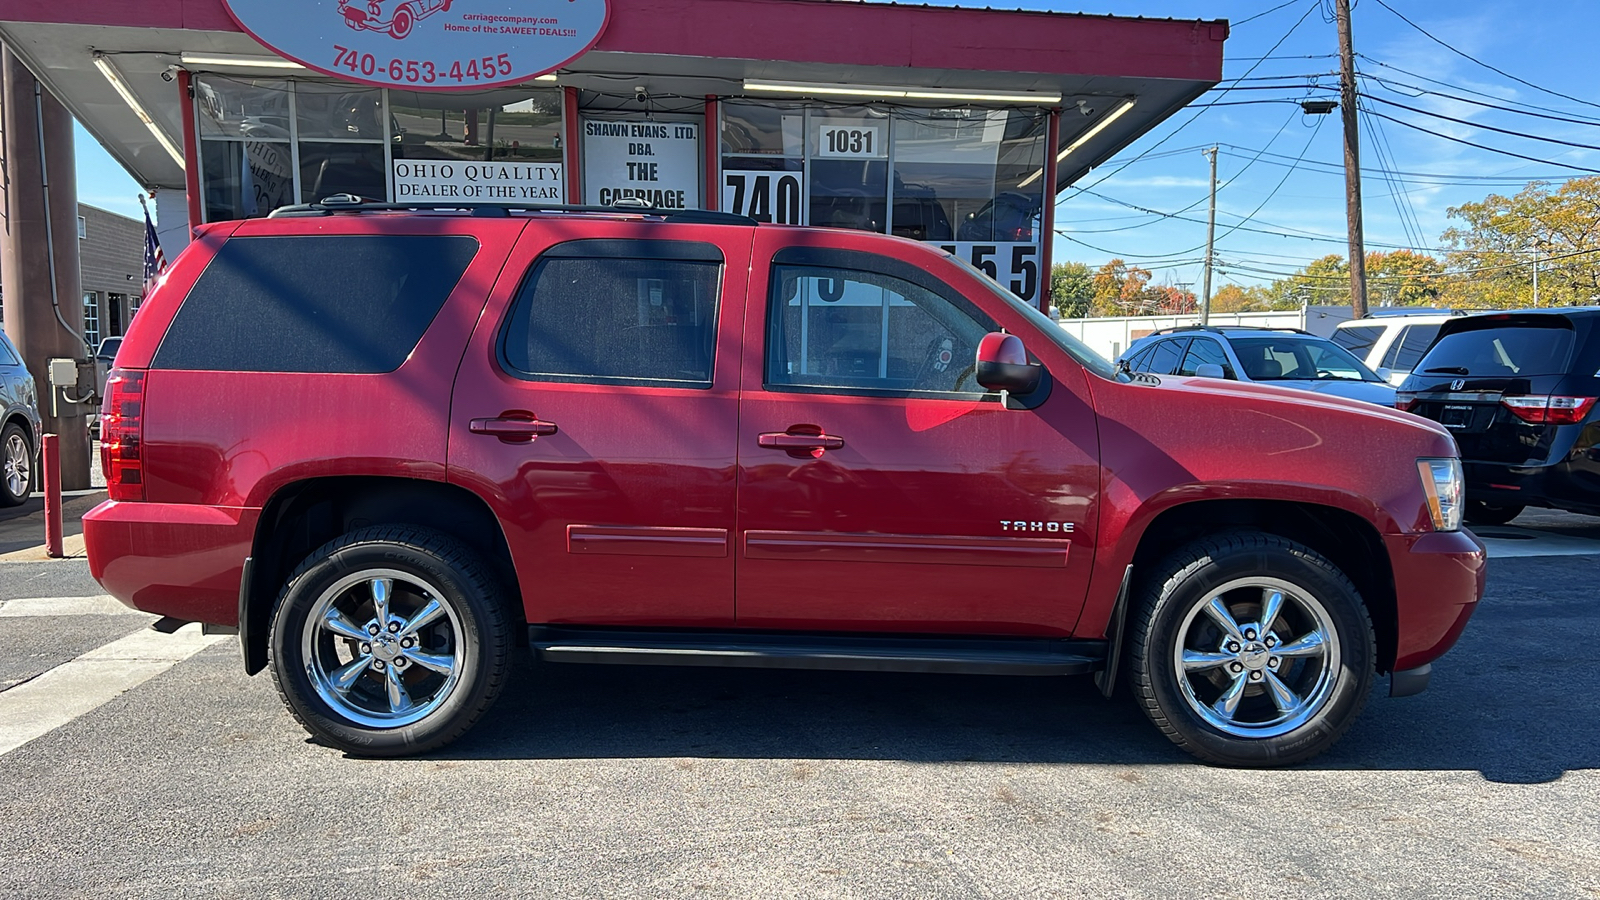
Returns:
<point x="389" y="641"/>
<point x="16" y="466"/>
<point x="1252" y="650"/>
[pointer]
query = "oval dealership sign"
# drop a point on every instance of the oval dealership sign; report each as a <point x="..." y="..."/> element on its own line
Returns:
<point x="426" y="45"/>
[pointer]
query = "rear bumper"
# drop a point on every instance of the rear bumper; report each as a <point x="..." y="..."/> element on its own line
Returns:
<point x="1573" y="483"/>
<point x="171" y="559"/>
<point x="1438" y="581"/>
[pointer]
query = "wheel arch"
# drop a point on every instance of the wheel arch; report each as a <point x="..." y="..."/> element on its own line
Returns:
<point x="1348" y="541"/>
<point x="304" y="515"/>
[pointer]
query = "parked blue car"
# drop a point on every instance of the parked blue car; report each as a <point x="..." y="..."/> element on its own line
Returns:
<point x="1278" y="356"/>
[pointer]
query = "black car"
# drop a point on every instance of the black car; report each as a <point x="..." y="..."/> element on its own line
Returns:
<point x="1518" y="391"/>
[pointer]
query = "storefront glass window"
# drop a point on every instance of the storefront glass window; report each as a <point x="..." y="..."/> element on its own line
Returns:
<point x="266" y="144"/>
<point x="968" y="179"/>
<point x="91" y="318"/>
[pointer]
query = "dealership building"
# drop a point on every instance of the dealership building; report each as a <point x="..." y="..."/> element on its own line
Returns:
<point x="952" y="125"/>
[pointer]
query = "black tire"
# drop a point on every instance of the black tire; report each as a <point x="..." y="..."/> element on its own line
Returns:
<point x="454" y="660"/>
<point x="1478" y="512"/>
<point x="18" y="466"/>
<point x="1191" y="705"/>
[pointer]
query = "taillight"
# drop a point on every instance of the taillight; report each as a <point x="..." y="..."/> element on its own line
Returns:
<point x="1548" y="410"/>
<point x="121" y="431"/>
<point x="1403" y="401"/>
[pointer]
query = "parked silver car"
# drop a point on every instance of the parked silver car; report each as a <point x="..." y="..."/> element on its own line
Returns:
<point x="1279" y="356"/>
<point x="19" y="427"/>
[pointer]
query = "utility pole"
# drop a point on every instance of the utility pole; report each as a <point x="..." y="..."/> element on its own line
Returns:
<point x="1352" y="162"/>
<point x="1211" y="240"/>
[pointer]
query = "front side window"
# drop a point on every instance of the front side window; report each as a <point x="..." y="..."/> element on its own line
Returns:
<point x="1203" y="351"/>
<point x="1165" y="356"/>
<point x="843" y="328"/>
<point x="617" y="320"/>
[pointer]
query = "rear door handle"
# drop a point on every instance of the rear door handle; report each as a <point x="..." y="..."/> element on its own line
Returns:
<point x="510" y="429"/>
<point x="782" y="440"/>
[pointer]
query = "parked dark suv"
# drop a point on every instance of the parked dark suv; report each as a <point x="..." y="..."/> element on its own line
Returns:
<point x="1518" y="392"/>
<point x="386" y="445"/>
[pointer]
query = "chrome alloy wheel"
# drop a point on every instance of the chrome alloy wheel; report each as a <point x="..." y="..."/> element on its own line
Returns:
<point x="17" y="465"/>
<point x="1259" y="658"/>
<point x="382" y="648"/>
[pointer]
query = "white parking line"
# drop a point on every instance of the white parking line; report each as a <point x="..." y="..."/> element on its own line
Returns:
<point x="1508" y="541"/>
<point x="36" y="708"/>
<point x="100" y="605"/>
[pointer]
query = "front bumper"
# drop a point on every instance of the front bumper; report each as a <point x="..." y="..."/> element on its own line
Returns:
<point x="1438" y="581"/>
<point x="171" y="559"/>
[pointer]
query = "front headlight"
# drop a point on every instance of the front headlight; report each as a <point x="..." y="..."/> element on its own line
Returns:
<point x="1443" y="484"/>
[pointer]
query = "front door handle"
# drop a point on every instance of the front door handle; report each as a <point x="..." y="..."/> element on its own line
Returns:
<point x="512" y="429"/>
<point x="800" y="445"/>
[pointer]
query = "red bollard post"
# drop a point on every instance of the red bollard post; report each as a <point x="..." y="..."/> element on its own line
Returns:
<point x="51" y="470"/>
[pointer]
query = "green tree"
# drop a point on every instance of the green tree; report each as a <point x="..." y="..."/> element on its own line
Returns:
<point x="1072" y="289"/>
<point x="1493" y="252"/>
<point x="1403" y="278"/>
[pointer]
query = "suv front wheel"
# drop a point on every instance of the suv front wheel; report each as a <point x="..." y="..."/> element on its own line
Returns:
<point x="389" y="641"/>
<point x="1251" y="650"/>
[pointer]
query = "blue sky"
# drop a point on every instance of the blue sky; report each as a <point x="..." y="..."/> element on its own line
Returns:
<point x="1300" y="204"/>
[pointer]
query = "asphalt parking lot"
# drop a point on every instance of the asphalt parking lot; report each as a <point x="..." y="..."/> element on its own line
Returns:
<point x="643" y="782"/>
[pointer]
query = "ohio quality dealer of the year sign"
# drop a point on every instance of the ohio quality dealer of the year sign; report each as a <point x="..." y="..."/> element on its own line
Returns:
<point x="426" y="45"/>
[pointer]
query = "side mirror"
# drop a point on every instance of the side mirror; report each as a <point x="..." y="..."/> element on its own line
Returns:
<point x="1003" y="365"/>
<point x="1208" y="370"/>
<point x="1387" y="374"/>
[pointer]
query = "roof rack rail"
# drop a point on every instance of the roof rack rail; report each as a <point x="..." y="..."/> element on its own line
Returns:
<point x="1218" y="329"/>
<point x="347" y="203"/>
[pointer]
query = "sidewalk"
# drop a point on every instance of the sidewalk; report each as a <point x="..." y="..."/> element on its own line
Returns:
<point x="22" y="527"/>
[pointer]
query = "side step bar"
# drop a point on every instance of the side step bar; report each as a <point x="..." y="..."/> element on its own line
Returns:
<point x="789" y="650"/>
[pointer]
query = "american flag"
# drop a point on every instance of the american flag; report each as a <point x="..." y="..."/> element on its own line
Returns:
<point x="154" y="261"/>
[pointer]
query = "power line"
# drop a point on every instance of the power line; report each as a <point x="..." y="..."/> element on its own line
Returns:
<point x="1393" y="84"/>
<point x="1531" y="137"/>
<point x="1463" y="88"/>
<point x="1481" y="62"/>
<point x="1484" y="147"/>
<point x="1264" y="13"/>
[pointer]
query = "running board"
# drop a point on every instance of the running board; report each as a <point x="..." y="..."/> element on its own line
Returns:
<point x="789" y="650"/>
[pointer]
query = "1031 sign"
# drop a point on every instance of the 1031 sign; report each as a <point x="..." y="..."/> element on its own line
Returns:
<point x="1012" y="265"/>
<point x="766" y="196"/>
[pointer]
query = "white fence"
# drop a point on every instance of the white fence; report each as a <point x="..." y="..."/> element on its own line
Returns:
<point x="1111" y="336"/>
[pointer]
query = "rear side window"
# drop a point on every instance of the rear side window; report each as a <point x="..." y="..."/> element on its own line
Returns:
<point x="1501" y="352"/>
<point x="1409" y="348"/>
<point x="1357" y="339"/>
<point x="648" y="318"/>
<point x="323" y="303"/>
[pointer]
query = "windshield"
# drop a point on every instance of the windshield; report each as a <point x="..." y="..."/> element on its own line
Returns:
<point x="1075" y="348"/>
<point x="1295" y="358"/>
<point x="1500" y="352"/>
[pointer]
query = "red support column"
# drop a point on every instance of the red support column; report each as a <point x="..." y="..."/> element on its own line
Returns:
<point x="1047" y="215"/>
<point x="574" y="145"/>
<point x="50" y="469"/>
<point x="191" y="146"/>
<point x="713" y="145"/>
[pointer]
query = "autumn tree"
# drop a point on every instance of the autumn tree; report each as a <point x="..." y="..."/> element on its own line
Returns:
<point x="1072" y="289"/>
<point x="1234" y="298"/>
<point x="1493" y="252"/>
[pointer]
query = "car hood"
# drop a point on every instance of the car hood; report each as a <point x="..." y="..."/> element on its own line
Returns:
<point x="1370" y="391"/>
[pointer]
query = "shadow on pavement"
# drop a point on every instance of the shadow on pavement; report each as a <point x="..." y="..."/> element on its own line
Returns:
<point x="22" y="526"/>
<point x="1515" y="700"/>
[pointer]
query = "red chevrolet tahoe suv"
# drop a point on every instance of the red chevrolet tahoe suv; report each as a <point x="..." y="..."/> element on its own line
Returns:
<point x="390" y="445"/>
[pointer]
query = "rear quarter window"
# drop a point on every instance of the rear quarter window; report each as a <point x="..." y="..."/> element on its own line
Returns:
<point x="314" y="303"/>
<point x="1357" y="339"/>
